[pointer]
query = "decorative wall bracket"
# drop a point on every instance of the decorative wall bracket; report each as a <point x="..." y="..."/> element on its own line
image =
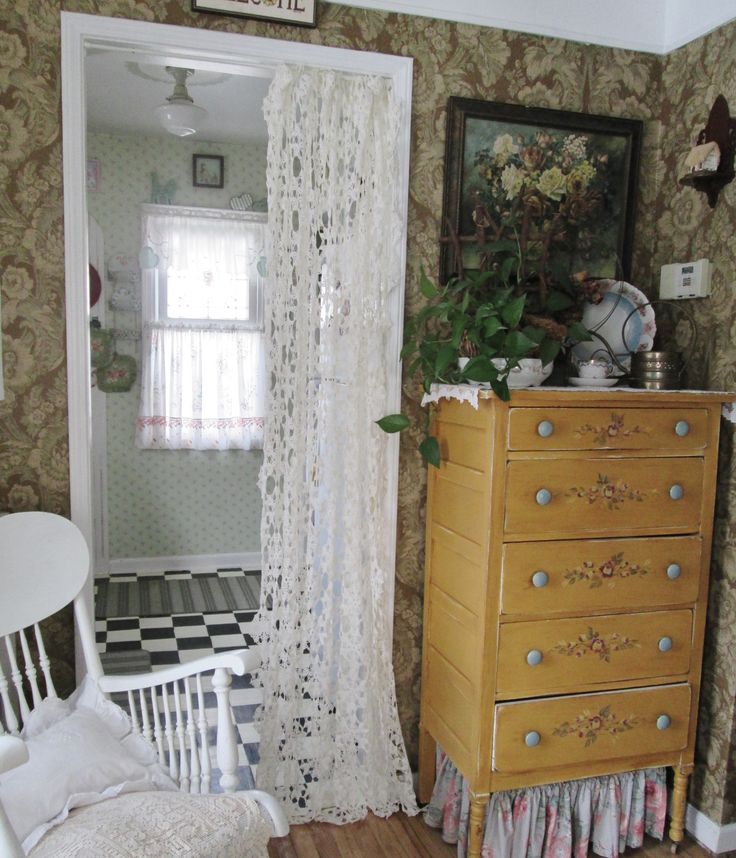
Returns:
<point x="721" y="129"/>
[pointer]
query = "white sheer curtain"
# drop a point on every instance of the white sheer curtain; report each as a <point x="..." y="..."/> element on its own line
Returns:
<point x="330" y="742"/>
<point x="202" y="380"/>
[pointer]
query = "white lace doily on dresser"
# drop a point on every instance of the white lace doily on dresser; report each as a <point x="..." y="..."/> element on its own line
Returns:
<point x="469" y="393"/>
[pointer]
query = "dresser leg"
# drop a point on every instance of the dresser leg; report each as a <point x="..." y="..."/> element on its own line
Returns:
<point x="677" y="813"/>
<point x="478" y="804"/>
<point x="427" y="766"/>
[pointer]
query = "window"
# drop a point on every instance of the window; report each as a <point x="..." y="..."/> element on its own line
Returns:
<point x="203" y="374"/>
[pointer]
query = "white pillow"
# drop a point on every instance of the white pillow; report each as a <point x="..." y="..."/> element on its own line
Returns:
<point x="81" y="751"/>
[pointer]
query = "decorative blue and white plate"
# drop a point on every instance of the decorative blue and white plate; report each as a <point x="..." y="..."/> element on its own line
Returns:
<point x="624" y="318"/>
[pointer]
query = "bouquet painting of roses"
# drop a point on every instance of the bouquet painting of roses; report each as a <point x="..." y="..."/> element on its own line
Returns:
<point x="562" y="185"/>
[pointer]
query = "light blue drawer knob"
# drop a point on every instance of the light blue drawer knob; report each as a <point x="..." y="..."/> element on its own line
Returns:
<point x="676" y="491"/>
<point x="663" y="722"/>
<point x="682" y="428"/>
<point x="674" y="571"/>
<point x="532" y="739"/>
<point x="543" y="497"/>
<point x="665" y="644"/>
<point x="545" y="429"/>
<point x="540" y="579"/>
<point x="533" y="657"/>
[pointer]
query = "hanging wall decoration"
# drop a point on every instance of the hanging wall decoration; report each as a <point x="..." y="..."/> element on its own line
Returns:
<point x="560" y="185"/>
<point x="92" y="179"/>
<point x="208" y="171"/>
<point x="119" y="375"/>
<point x="300" y="12"/>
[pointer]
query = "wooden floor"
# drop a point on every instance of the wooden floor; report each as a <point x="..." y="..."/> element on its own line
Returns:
<point x="401" y="836"/>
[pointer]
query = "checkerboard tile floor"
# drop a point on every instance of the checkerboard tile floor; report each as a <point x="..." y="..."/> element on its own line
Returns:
<point x="185" y="637"/>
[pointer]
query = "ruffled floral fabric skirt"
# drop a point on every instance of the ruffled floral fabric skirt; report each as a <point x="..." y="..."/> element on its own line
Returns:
<point x="605" y="814"/>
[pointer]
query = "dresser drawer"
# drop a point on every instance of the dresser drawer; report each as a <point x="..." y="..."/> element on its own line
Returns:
<point x="605" y="496"/>
<point x="583" y="728"/>
<point x="668" y="429"/>
<point x="547" y="655"/>
<point x="541" y="578"/>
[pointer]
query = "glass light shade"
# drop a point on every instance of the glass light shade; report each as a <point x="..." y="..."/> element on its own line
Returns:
<point x="180" y="117"/>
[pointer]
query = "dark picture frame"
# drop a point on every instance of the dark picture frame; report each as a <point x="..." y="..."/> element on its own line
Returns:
<point x="208" y="171"/>
<point x="302" y="13"/>
<point x="574" y="174"/>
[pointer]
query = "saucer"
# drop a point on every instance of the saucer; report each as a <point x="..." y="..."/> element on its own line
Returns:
<point x="592" y="382"/>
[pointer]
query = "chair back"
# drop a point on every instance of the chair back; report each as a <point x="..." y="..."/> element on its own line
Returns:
<point x="44" y="563"/>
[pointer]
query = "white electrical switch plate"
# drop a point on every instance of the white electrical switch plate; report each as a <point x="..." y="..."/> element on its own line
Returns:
<point x="685" y="280"/>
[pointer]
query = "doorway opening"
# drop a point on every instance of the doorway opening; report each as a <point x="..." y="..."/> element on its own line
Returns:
<point x="83" y="39"/>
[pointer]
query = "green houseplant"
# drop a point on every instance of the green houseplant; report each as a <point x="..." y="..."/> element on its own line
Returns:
<point x="485" y="316"/>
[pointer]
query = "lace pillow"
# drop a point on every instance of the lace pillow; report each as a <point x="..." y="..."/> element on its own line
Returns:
<point x="162" y="825"/>
<point x="81" y="751"/>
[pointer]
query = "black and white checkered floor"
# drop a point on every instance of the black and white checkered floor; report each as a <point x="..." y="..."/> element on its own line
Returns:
<point x="184" y="637"/>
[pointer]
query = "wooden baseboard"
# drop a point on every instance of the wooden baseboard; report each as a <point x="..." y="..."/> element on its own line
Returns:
<point x="156" y="565"/>
<point x="716" y="838"/>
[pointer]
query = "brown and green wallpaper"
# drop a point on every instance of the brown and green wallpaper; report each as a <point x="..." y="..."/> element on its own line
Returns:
<point x="687" y="228"/>
<point x="671" y="95"/>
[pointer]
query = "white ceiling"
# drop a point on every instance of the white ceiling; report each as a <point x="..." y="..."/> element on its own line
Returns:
<point x="655" y="26"/>
<point x="125" y="87"/>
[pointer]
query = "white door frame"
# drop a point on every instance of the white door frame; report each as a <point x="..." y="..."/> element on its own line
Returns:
<point x="80" y="32"/>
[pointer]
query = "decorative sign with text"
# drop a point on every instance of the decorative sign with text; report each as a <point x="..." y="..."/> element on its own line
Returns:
<point x="300" y="12"/>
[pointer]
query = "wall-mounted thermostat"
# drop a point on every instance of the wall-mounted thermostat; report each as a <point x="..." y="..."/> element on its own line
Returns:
<point x="685" y="280"/>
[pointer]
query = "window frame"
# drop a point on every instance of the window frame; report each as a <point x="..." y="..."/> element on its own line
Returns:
<point x="158" y="306"/>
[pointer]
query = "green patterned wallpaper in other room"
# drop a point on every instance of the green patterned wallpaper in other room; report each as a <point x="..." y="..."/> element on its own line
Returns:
<point x="177" y="502"/>
<point x="164" y="502"/>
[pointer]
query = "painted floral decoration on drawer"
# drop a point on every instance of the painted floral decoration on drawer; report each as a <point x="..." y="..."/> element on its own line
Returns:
<point x="590" y="726"/>
<point x="617" y="566"/>
<point x="595" y="644"/>
<point x="615" y="429"/>
<point x="612" y="494"/>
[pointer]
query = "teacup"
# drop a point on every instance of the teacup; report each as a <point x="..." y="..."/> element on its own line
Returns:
<point x="594" y="368"/>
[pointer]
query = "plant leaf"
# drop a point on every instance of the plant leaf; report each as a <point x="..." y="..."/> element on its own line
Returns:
<point x="548" y="350"/>
<point x="430" y="450"/>
<point x="507" y="268"/>
<point x="428" y="289"/>
<point x="511" y="313"/>
<point x="501" y="389"/>
<point x="536" y="334"/>
<point x="445" y="356"/>
<point x="517" y="345"/>
<point x="479" y="369"/>
<point x="557" y="300"/>
<point x="492" y="325"/>
<point x="393" y="423"/>
<point x="578" y="333"/>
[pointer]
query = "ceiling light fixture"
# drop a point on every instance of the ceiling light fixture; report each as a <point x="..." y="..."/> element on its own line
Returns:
<point x="180" y="116"/>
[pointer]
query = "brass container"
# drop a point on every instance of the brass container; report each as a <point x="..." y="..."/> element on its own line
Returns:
<point x="642" y="362"/>
<point x="656" y="370"/>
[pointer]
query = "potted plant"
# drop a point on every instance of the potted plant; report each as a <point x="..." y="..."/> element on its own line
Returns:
<point x="478" y="327"/>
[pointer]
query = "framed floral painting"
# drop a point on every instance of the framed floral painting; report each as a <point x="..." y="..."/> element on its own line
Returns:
<point x="560" y="185"/>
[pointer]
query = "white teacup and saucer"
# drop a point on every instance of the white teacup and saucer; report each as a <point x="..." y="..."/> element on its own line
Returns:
<point x="596" y="372"/>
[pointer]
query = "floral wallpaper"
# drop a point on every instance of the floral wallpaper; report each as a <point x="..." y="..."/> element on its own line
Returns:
<point x="687" y="229"/>
<point x="450" y="59"/>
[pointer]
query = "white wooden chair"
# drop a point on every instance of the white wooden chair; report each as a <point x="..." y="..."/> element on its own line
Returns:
<point x="44" y="565"/>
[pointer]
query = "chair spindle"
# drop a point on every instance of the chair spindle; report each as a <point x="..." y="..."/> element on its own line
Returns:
<point x="43" y="660"/>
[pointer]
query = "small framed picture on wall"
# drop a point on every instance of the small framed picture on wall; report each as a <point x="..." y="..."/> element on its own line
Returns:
<point x="208" y="171"/>
<point x="93" y="174"/>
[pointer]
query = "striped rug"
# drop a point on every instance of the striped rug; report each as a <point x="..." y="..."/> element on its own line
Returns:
<point x="155" y="596"/>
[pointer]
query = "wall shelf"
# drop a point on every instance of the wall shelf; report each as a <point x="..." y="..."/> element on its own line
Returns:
<point x="721" y="129"/>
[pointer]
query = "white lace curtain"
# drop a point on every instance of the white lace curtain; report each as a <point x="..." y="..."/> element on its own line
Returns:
<point x="331" y="745"/>
<point x="202" y="380"/>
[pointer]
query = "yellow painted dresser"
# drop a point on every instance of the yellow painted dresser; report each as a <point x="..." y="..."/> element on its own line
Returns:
<point x="567" y="558"/>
